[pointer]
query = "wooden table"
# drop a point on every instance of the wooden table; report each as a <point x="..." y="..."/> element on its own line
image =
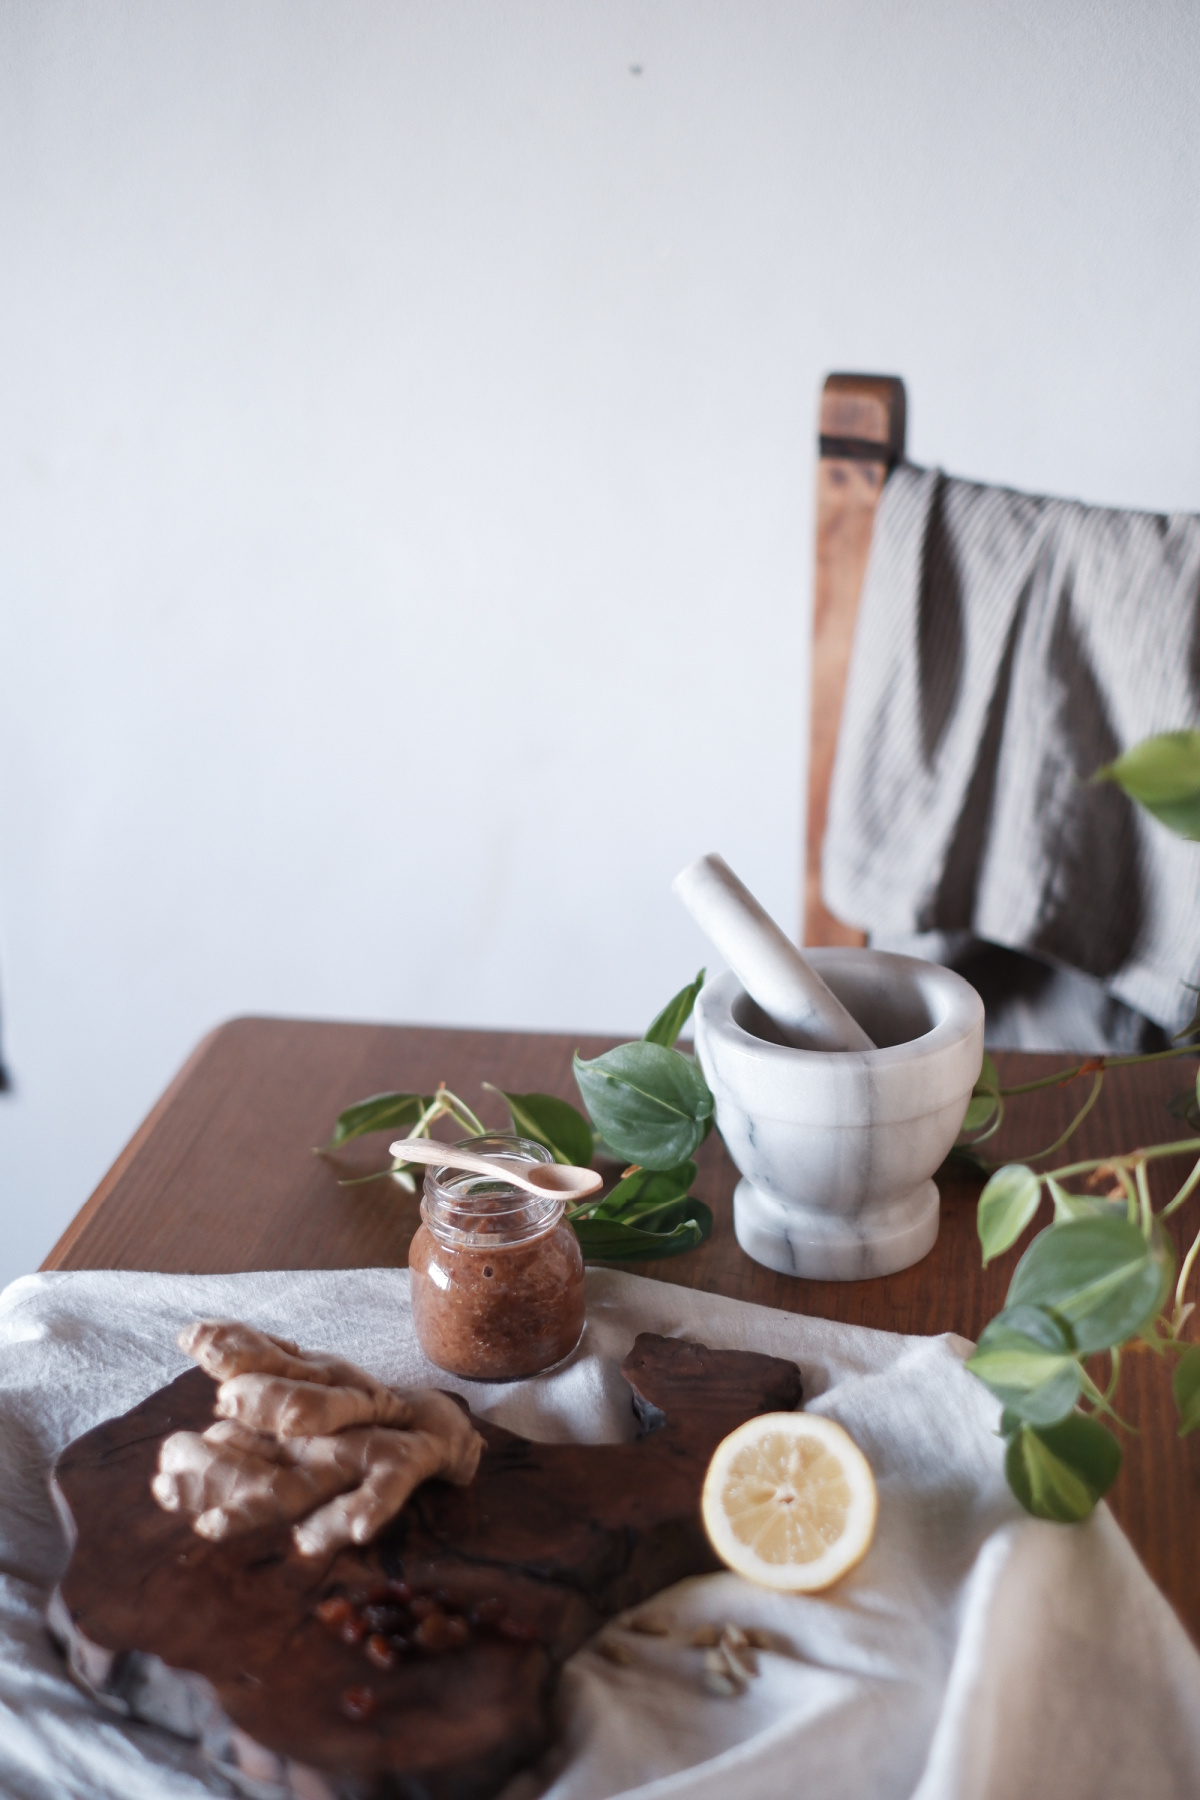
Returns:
<point x="221" y="1176"/>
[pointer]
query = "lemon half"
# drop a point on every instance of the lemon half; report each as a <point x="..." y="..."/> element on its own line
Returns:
<point x="789" y="1501"/>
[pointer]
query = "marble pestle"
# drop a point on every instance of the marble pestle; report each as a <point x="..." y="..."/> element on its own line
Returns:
<point x="768" y="965"/>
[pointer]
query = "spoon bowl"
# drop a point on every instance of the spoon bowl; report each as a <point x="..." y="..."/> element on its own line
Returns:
<point x="564" y="1179"/>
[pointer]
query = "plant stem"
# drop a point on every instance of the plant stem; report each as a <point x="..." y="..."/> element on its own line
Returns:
<point x="1101" y="1402"/>
<point x="1114" y="1371"/>
<point x="990" y="1131"/>
<point x="462" y="1115"/>
<point x="1143" y="1191"/>
<point x="1131" y="1199"/>
<point x="1187" y="1188"/>
<point x="1184" y="1147"/>
<point x="1181" y="1284"/>
<point x="375" y="1175"/>
<point x="446" y="1105"/>
<point x="459" y="1111"/>
<point x="1063" y="1076"/>
<point x="1076" y="1122"/>
<point x="1149" y="1056"/>
<point x="1059" y="1079"/>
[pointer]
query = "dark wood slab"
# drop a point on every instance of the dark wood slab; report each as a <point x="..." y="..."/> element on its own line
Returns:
<point x="222" y="1177"/>
<point x="223" y="1640"/>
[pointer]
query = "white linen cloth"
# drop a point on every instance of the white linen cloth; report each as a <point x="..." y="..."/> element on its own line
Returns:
<point x="1006" y="647"/>
<point x="975" y="1654"/>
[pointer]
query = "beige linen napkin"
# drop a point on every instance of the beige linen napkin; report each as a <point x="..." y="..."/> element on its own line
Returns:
<point x="975" y="1654"/>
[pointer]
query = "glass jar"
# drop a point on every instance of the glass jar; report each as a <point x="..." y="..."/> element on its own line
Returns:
<point x="497" y="1277"/>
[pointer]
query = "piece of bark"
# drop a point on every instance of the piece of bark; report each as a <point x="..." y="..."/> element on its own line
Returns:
<point x="221" y="1641"/>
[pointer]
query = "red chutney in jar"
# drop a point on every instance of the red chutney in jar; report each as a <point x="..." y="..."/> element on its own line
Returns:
<point x="497" y="1277"/>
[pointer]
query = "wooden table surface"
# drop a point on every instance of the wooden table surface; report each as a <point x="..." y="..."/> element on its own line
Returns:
<point x="221" y="1176"/>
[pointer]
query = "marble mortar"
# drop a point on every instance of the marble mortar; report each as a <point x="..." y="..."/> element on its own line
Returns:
<point x="837" y="1149"/>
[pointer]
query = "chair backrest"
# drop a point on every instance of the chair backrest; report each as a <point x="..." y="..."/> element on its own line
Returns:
<point x="862" y="425"/>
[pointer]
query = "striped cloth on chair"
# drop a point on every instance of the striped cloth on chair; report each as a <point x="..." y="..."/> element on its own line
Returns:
<point x="1006" y="647"/>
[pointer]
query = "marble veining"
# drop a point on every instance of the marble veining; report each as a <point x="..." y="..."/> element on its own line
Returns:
<point x="837" y="1149"/>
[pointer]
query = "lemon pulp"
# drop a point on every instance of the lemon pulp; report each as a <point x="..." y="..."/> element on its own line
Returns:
<point x="789" y="1501"/>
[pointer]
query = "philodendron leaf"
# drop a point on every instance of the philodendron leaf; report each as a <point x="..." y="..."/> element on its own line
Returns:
<point x="1100" y="1276"/>
<point x="1186" y="1386"/>
<point x="985" y="1097"/>
<point x="1027" y="1360"/>
<point x="1192" y="1028"/>
<point x="645" y="1192"/>
<point x="960" y="1158"/>
<point x="674" y="1015"/>
<point x="1060" y="1471"/>
<point x="1163" y="774"/>
<point x="382" y="1112"/>
<point x="1006" y="1205"/>
<point x="609" y="1240"/>
<point x="1081" y="1206"/>
<point x="980" y="1108"/>
<point x="1186" y="1106"/>
<point x="650" y="1104"/>
<point x="555" y="1123"/>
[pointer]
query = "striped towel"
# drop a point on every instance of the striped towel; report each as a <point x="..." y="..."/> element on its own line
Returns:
<point x="1006" y="647"/>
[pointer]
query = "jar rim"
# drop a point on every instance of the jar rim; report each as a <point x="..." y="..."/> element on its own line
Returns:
<point x="475" y="1212"/>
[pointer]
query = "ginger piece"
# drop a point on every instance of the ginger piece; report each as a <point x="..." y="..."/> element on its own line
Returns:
<point x="393" y="1464"/>
<point x="288" y="1409"/>
<point x="327" y="1445"/>
<point x="272" y="1385"/>
<point x="231" y="1480"/>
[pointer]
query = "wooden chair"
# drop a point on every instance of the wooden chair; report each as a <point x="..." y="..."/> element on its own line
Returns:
<point x="862" y="426"/>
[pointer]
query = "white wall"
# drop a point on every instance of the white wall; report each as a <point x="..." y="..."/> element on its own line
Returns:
<point x="406" y="420"/>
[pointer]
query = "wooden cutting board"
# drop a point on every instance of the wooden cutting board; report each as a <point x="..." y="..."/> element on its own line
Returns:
<point x="425" y="1665"/>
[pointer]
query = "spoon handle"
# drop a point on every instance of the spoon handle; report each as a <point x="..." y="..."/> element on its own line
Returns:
<point x="562" y="1179"/>
<point x="448" y="1156"/>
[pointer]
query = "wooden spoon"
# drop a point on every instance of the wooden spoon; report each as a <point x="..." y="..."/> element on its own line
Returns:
<point x="564" y="1179"/>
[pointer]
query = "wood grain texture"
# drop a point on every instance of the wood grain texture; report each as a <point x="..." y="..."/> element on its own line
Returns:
<point x="222" y="1177"/>
<point x="870" y="408"/>
<point x="546" y="1543"/>
<point x="866" y="409"/>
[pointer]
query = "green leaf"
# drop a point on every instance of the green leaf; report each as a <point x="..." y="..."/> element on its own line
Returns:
<point x="646" y="1191"/>
<point x="608" y="1240"/>
<point x="980" y="1108"/>
<point x="960" y="1160"/>
<point x="1027" y="1360"/>
<point x="1186" y="1106"/>
<point x="555" y="1123"/>
<point x="1006" y="1205"/>
<point x="1082" y="1206"/>
<point x="1163" y="775"/>
<point x="1185" y="1384"/>
<point x="650" y="1104"/>
<point x="1060" y="1471"/>
<point x="674" y="1015"/>
<point x="985" y="1097"/>
<point x="1192" y="1028"/>
<point x="382" y="1112"/>
<point x="1099" y="1276"/>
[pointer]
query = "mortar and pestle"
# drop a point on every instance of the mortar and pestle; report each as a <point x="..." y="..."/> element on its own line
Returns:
<point x="841" y="1080"/>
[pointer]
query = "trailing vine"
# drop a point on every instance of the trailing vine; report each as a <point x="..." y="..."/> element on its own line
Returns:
<point x="1101" y="1278"/>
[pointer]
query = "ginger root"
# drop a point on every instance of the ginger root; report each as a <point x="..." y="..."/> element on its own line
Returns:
<point x="271" y="1385"/>
<point x="308" y="1438"/>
